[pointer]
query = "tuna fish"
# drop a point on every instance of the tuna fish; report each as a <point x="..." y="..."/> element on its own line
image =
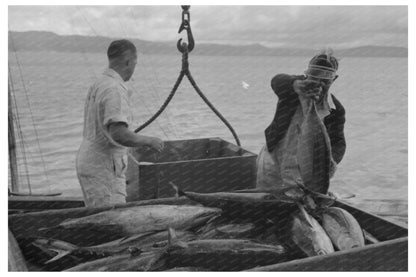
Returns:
<point x="54" y="255"/>
<point x="314" y="152"/>
<point x="240" y="204"/>
<point x="220" y="254"/>
<point x="215" y="199"/>
<point x="142" y="241"/>
<point x="140" y="219"/>
<point x="342" y="228"/>
<point x="133" y="245"/>
<point x="290" y="194"/>
<point x="308" y="235"/>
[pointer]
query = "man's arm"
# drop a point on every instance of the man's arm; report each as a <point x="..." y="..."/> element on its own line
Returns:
<point x="115" y="113"/>
<point x="282" y="85"/>
<point x="285" y="85"/>
<point x="122" y="135"/>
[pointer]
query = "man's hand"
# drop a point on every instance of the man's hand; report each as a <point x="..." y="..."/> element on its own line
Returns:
<point x="122" y="135"/>
<point x="307" y="88"/>
<point x="157" y="144"/>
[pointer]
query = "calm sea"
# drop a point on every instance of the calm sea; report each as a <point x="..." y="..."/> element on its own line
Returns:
<point x="50" y="89"/>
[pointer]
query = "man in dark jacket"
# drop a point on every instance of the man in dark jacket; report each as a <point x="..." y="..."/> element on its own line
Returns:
<point x="277" y="164"/>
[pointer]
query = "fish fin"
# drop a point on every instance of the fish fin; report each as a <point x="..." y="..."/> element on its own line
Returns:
<point x="173" y="239"/>
<point x="178" y="191"/>
<point x="61" y="254"/>
<point x="172" y="236"/>
<point x="159" y="260"/>
<point x="44" y="249"/>
<point x="369" y="237"/>
<point x="341" y="196"/>
<point x="55" y="227"/>
<point x="305" y="214"/>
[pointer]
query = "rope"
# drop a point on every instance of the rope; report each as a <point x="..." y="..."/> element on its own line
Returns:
<point x="31" y="114"/>
<point x="153" y="86"/>
<point x="19" y="132"/>
<point x="165" y="104"/>
<point x="185" y="71"/>
<point x="148" y="68"/>
<point x="185" y="48"/>
<point x="193" y="83"/>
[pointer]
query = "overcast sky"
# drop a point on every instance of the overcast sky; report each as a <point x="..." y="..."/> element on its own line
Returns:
<point x="287" y="26"/>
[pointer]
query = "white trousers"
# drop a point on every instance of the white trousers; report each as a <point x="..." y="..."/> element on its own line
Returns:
<point x="101" y="175"/>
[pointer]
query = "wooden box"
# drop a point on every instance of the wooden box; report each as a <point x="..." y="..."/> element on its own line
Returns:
<point x="199" y="165"/>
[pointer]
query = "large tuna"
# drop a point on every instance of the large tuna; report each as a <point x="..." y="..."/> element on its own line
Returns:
<point x="308" y="235"/>
<point x="314" y="152"/>
<point x="252" y="204"/>
<point x="342" y="228"/>
<point x="134" y="245"/>
<point x="221" y="254"/>
<point x="139" y="219"/>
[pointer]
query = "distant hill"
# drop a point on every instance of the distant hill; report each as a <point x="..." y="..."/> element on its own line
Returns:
<point x="48" y="41"/>
<point x="374" y="51"/>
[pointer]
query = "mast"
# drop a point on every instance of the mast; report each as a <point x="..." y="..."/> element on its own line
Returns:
<point x="12" y="148"/>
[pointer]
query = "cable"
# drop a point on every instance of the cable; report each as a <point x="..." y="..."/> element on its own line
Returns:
<point x="184" y="48"/>
<point x="30" y="110"/>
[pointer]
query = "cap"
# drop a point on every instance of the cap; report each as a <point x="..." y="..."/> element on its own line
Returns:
<point x="323" y="66"/>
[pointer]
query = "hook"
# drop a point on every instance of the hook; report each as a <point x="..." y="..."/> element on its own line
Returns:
<point x="185" y="25"/>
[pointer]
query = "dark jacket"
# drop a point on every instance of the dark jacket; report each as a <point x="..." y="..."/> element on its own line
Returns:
<point x="282" y="85"/>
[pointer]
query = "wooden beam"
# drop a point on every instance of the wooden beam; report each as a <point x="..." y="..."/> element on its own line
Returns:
<point x="384" y="256"/>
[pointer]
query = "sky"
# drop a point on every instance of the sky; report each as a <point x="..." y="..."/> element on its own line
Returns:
<point x="272" y="26"/>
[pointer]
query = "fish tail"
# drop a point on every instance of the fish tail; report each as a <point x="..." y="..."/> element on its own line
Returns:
<point x="171" y="235"/>
<point x="61" y="254"/>
<point x="178" y="191"/>
<point x="49" y="228"/>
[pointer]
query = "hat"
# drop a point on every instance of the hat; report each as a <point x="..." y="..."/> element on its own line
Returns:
<point x="323" y="66"/>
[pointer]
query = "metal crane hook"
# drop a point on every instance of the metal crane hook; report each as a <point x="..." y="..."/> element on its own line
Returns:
<point x="186" y="25"/>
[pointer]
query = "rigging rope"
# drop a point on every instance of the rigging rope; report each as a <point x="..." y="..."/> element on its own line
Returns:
<point x="31" y="114"/>
<point x="185" y="48"/>
<point x="16" y="120"/>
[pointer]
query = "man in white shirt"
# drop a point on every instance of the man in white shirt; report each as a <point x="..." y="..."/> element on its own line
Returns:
<point x="102" y="158"/>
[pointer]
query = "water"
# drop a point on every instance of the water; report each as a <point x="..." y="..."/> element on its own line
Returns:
<point x="372" y="90"/>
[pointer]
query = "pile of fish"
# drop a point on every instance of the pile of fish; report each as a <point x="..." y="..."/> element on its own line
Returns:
<point x="197" y="237"/>
<point x="223" y="231"/>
